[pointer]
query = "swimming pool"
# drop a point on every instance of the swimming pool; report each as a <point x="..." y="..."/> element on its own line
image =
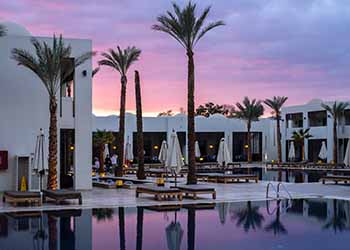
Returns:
<point x="297" y="224"/>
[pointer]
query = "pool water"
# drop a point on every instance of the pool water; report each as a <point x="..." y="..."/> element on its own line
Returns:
<point x="297" y="224"/>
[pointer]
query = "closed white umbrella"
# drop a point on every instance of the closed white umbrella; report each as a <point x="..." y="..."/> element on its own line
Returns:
<point x="291" y="153"/>
<point x="38" y="164"/>
<point x="174" y="235"/>
<point x="128" y="152"/>
<point x="197" y="150"/>
<point x="224" y="156"/>
<point x="347" y="154"/>
<point x="222" y="209"/>
<point x="174" y="160"/>
<point x="323" y="152"/>
<point x="105" y="152"/>
<point x="163" y="152"/>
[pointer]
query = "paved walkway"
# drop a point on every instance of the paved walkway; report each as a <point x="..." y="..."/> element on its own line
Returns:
<point x="98" y="198"/>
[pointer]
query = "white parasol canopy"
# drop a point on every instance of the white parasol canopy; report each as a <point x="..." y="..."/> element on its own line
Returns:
<point x="347" y="154"/>
<point x="223" y="153"/>
<point x="128" y="151"/>
<point x="197" y="150"/>
<point x="291" y="153"/>
<point x="105" y="152"/>
<point x="323" y="152"/>
<point x="163" y="152"/>
<point x="174" y="157"/>
<point x="174" y="235"/>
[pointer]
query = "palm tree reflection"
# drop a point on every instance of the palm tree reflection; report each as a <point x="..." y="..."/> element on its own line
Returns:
<point x="276" y="225"/>
<point x="337" y="222"/>
<point x="103" y="214"/>
<point x="121" y="213"/>
<point x="139" y="228"/>
<point x="249" y="217"/>
<point x="191" y="228"/>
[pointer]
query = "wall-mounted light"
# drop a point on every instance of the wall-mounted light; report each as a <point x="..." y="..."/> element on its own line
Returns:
<point x="201" y="159"/>
<point x="114" y="147"/>
<point x="155" y="147"/>
<point x="71" y="147"/>
<point x="211" y="146"/>
<point x="246" y="146"/>
<point x="84" y="73"/>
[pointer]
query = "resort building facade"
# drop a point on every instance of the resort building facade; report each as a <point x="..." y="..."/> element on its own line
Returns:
<point x="209" y="131"/>
<point x="24" y="109"/>
<point x="313" y="116"/>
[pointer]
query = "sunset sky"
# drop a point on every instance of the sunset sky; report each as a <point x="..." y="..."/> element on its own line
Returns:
<point x="296" y="48"/>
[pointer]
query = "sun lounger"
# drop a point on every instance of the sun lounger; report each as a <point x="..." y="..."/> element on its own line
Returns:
<point x="230" y="178"/>
<point x="62" y="195"/>
<point x="103" y="184"/>
<point x="17" y="197"/>
<point x="335" y="178"/>
<point x="191" y="191"/>
<point x="160" y="193"/>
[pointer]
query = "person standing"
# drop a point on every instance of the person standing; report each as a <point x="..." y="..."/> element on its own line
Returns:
<point x="108" y="163"/>
<point x="114" y="161"/>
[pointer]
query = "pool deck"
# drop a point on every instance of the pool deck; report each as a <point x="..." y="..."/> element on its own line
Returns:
<point x="100" y="198"/>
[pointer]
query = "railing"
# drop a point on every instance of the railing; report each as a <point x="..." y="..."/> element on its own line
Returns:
<point x="277" y="190"/>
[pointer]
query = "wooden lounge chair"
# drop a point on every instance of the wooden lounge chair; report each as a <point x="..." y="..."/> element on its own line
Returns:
<point x="335" y="178"/>
<point x="230" y="178"/>
<point x="160" y="193"/>
<point x="62" y="195"/>
<point x="18" y="197"/>
<point x="191" y="191"/>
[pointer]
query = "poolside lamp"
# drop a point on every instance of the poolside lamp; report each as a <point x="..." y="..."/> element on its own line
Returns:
<point x="155" y="147"/>
<point x="160" y="181"/>
<point x="211" y="146"/>
<point x="201" y="158"/>
<point x="246" y="146"/>
<point x="118" y="183"/>
<point x="114" y="147"/>
<point x="103" y="174"/>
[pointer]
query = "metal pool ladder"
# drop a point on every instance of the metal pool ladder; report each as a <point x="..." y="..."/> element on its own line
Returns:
<point x="277" y="190"/>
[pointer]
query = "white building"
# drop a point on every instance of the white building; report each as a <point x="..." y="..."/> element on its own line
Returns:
<point x="209" y="131"/>
<point x="312" y="115"/>
<point x="24" y="110"/>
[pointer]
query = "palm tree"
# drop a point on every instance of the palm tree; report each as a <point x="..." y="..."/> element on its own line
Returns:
<point x="249" y="218"/>
<point x="250" y="111"/>
<point x="48" y="64"/>
<point x="185" y="27"/>
<point x="299" y="137"/>
<point x="166" y="113"/>
<point x="336" y="111"/>
<point x="210" y="108"/>
<point x="140" y="147"/>
<point x="121" y="60"/>
<point x="103" y="214"/>
<point x="2" y="30"/>
<point x="276" y="225"/>
<point x="276" y="104"/>
<point x="100" y="139"/>
<point x="139" y="228"/>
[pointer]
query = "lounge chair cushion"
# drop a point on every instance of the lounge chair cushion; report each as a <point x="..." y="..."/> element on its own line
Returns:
<point x="196" y="187"/>
<point x="157" y="189"/>
<point x="61" y="193"/>
<point x="21" y="194"/>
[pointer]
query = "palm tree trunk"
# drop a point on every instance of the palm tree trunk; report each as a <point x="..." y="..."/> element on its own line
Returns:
<point x="279" y="146"/>
<point x="52" y="227"/>
<point x="302" y="152"/>
<point x="191" y="137"/>
<point x="249" y="137"/>
<point x="191" y="228"/>
<point x="139" y="228"/>
<point x="119" y="168"/>
<point x="140" y="147"/>
<point x="121" y="214"/>
<point x="101" y="168"/>
<point x="335" y="141"/>
<point x="52" y="177"/>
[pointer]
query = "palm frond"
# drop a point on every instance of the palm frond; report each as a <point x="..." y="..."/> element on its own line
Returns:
<point x="3" y="30"/>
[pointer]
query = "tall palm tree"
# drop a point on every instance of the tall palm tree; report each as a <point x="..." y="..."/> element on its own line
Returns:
<point x="276" y="104"/>
<point x="2" y="30"/>
<point x="140" y="147"/>
<point x="139" y="228"/>
<point x="48" y="64"/>
<point x="250" y="111"/>
<point x="299" y="138"/>
<point x="249" y="217"/>
<point x="100" y="139"/>
<point x="187" y="28"/>
<point x="336" y="111"/>
<point x="121" y="60"/>
<point x="276" y="225"/>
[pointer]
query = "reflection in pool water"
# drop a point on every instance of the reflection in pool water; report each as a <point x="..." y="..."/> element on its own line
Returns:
<point x="298" y="224"/>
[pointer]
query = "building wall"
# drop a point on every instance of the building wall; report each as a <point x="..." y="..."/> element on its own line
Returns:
<point x="215" y="123"/>
<point x="24" y="110"/>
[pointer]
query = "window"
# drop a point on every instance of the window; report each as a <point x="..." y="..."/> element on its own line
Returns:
<point x="317" y="118"/>
<point x="294" y="120"/>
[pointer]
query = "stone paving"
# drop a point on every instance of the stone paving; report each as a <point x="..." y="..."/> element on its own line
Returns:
<point x="99" y="198"/>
